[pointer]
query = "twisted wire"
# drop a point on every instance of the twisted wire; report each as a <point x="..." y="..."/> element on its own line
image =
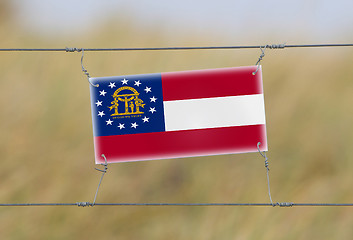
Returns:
<point x="87" y="204"/>
<point x="105" y="164"/>
<point x="270" y="46"/>
<point x="84" y="70"/>
<point x="263" y="154"/>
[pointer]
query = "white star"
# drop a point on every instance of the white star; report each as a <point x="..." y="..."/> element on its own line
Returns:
<point x="102" y="93"/>
<point x="134" y="125"/>
<point x="145" y="119"/>
<point x="153" y="99"/>
<point x="99" y="103"/>
<point x="148" y="89"/>
<point x="137" y="83"/>
<point x="101" y="113"/>
<point x="109" y="122"/>
<point x="152" y="110"/>
<point x="112" y="85"/>
<point x="124" y="81"/>
<point x="121" y="126"/>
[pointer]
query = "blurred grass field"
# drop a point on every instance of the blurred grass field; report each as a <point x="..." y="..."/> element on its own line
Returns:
<point x="46" y="146"/>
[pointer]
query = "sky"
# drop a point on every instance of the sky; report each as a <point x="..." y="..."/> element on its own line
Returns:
<point x="315" y="20"/>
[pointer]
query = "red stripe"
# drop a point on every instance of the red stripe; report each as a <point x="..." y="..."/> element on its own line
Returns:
<point x="175" y="144"/>
<point x="211" y="83"/>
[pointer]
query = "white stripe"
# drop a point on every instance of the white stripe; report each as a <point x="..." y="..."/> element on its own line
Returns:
<point x="214" y="112"/>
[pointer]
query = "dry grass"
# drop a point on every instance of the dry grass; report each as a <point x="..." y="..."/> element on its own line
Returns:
<point x="46" y="147"/>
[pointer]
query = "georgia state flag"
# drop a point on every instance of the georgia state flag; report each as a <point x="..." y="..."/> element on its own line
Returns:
<point x="180" y="114"/>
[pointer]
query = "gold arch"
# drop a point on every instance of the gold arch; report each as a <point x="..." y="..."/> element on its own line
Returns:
<point x="116" y="93"/>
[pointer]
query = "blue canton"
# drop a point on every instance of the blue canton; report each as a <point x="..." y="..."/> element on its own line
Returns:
<point x="127" y="105"/>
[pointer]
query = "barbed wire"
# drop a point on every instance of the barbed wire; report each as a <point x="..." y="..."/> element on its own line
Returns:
<point x="268" y="46"/>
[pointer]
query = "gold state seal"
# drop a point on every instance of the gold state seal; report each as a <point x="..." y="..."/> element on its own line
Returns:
<point x="130" y="99"/>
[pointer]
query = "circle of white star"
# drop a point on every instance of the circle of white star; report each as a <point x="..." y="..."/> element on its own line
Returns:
<point x="153" y="99"/>
<point x="134" y="125"/>
<point x="124" y="81"/>
<point x="109" y="122"/>
<point x="121" y="126"/>
<point x="102" y="93"/>
<point x="101" y="113"/>
<point x="152" y="110"/>
<point x="112" y="85"/>
<point x="137" y="83"/>
<point x="148" y="89"/>
<point x="145" y="119"/>
<point x="99" y="103"/>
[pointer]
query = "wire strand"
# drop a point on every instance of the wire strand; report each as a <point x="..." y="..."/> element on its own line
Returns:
<point x="104" y="171"/>
<point x="270" y="46"/>
<point x="85" y="204"/>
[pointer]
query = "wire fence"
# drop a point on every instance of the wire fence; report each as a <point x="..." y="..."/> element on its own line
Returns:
<point x="89" y="204"/>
